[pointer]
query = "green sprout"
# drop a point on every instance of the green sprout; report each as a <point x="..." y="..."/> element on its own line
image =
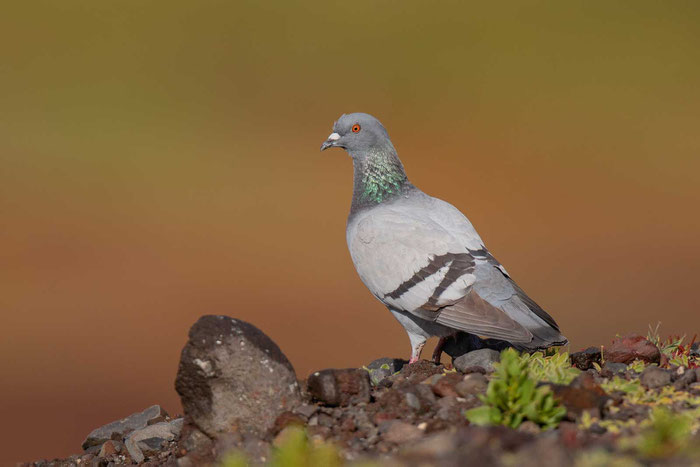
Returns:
<point x="513" y="397"/>
<point x="668" y="434"/>
<point x="295" y="449"/>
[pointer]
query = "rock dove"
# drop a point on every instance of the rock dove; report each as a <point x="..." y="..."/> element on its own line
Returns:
<point x="421" y="257"/>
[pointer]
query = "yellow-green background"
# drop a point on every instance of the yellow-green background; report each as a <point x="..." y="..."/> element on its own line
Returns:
<point x="159" y="160"/>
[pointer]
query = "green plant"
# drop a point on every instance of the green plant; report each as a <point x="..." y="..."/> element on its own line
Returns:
<point x="554" y="368"/>
<point x="512" y="397"/>
<point x="666" y="435"/>
<point x="294" y="449"/>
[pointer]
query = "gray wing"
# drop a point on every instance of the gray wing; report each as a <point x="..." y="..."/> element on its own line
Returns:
<point x="496" y="289"/>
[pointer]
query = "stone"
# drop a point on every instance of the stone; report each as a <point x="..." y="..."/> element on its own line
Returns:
<point x="654" y="377"/>
<point x="688" y="377"/>
<point x="630" y="348"/>
<point x="234" y="377"/>
<point x="110" y="448"/>
<point x="150" y="440"/>
<point x="585" y="359"/>
<point x="306" y="410"/>
<point x="382" y="368"/>
<point x="614" y="368"/>
<point x="582" y="395"/>
<point x="118" y="429"/>
<point x="446" y="386"/>
<point x="484" y="358"/>
<point x="339" y="387"/>
<point x="398" y="432"/>
<point x="695" y="350"/>
<point x="472" y="384"/>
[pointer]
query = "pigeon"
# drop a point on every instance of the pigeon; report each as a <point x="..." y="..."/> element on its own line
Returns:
<point x="423" y="259"/>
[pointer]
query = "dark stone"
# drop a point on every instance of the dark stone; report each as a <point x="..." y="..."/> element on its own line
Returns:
<point x="612" y="368"/>
<point x="118" y="429"/>
<point x="484" y="358"/>
<point x="233" y="377"/>
<point x="695" y="349"/>
<point x="630" y="348"/>
<point x="585" y="359"/>
<point x="382" y="368"/>
<point x="654" y="377"/>
<point x="391" y="364"/>
<point x="339" y="387"/>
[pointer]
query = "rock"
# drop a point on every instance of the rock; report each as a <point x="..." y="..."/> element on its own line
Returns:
<point x="614" y="368"/>
<point x="339" y="387"/>
<point x="484" y="358"/>
<point x="630" y="348"/>
<point x="582" y="395"/>
<point x="585" y="359"/>
<point x="472" y="384"/>
<point x="110" y="448"/>
<point x="121" y="427"/>
<point x="446" y="386"/>
<point x="150" y="440"/>
<point x="306" y="410"/>
<point x="695" y="349"/>
<point x="233" y="377"/>
<point x="398" y="432"/>
<point x="686" y="379"/>
<point x="654" y="377"/>
<point x="391" y="364"/>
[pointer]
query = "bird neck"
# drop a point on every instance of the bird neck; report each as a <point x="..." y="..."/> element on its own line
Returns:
<point x="378" y="177"/>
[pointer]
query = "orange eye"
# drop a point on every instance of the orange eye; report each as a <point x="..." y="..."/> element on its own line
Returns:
<point x="356" y="128"/>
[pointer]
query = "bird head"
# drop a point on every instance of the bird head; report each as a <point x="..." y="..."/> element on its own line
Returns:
<point x="358" y="134"/>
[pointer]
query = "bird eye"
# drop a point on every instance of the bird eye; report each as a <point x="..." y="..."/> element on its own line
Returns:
<point x="356" y="128"/>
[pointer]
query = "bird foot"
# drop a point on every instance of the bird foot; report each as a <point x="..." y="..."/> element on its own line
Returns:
<point x="437" y="353"/>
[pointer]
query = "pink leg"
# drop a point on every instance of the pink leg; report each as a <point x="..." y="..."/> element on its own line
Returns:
<point x="415" y="353"/>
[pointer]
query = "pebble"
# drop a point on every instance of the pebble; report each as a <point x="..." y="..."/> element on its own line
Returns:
<point x="119" y="428"/>
<point x="334" y="387"/>
<point x="484" y="358"/>
<point x="654" y="377"/>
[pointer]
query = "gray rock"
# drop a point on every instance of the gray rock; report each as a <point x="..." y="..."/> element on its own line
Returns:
<point x="306" y="410"/>
<point x="654" y="377"/>
<point x="233" y="377"/>
<point x="687" y="378"/>
<point x="150" y="440"/>
<point x="614" y="367"/>
<point x="334" y="387"/>
<point x="484" y="358"/>
<point x="119" y="428"/>
<point x="472" y="384"/>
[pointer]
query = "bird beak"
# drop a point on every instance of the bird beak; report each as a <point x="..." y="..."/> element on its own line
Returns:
<point x="330" y="142"/>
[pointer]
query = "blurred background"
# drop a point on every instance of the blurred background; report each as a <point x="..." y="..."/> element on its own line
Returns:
<point x="160" y="161"/>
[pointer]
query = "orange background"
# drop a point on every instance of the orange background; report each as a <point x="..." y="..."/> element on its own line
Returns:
<point x="159" y="161"/>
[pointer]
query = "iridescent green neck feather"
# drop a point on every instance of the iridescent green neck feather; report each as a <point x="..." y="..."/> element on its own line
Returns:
<point x="379" y="177"/>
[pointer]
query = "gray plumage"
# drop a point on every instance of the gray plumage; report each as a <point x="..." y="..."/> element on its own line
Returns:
<point x="421" y="256"/>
